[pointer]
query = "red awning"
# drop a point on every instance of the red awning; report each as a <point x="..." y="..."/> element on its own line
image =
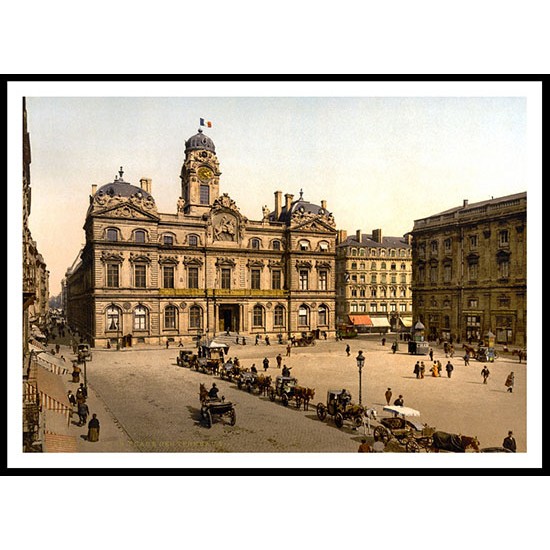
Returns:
<point x="364" y="320"/>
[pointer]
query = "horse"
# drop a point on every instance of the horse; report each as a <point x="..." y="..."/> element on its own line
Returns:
<point x="471" y="351"/>
<point x="203" y="393"/>
<point x="443" y="441"/>
<point x="521" y="353"/>
<point x="263" y="383"/>
<point x="309" y="394"/>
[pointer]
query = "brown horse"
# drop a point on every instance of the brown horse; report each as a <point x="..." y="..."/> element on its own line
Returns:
<point x="443" y="441"/>
<point x="521" y="353"/>
<point x="203" y="393"/>
<point x="263" y="383"/>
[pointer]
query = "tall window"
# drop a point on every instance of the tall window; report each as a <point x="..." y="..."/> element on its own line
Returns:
<point x="113" y="318"/>
<point x="433" y="274"/>
<point x="276" y="245"/>
<point x="393" y="307"/>
<point x="258" y="316"/>
<point x="447" y="273"/>
<point x="433" y="247"/>
<point x="255" y="278"/>
<point x="276" y="279"/>
<point x="503" y="237"/>
<point x="323" y="277"/>
<point x="168" y="276"/>
<point x="303" y="315"/>
<point x="140" y="276"/>
<point x="193" y="277"/>
<point x="504" y="269"/>
<point x="195" y="317"/>
<point x="383" y="308"/>
<point x="472" y="271"/>
<point x="447" y="245"/>
<point x="139" y="236"/>
<point x="322" y="315"/>
<point x="373" y="278"/>
<point x="373" y="266"/>
<point x="170" y="316"/>
<point x="279" y="316"/>
<point x="402" y="308"/>
<point x="205" y="194"/>
<point x="112" y="234"/>
<point x="140" y="318"/>
<point x="113" y="275"/>
<point x="304" y="275"/>
<point x="226" y="278"/>
<point x="373" y="307"/>
<point x="255" y="243"/>
<point x="373" y="293"/>
<point x="473" y="241"/>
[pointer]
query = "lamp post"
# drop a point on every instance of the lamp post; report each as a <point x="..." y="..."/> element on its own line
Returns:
<point x="360" y="362"/>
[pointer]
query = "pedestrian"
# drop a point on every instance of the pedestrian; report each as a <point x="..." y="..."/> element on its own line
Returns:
<point x="167" y="343"/>
<point x="388" y="395"/>
<point x="383" y="341"/>
<point x="417" y="369"/>
<point x="76" y="372"/>
<point x="93" y="429"/>
<point x="399" y="401"/>
<point x="253" y="368"/>
<point x="348" y="350"/>
<point x="431" y="354"/>
<point x="434" y="370"/>
<point x="325" y="334"/>
<point x="510" y="442"/>
<point x="510" y="382"/>
<point x="449" y="368"/>
<point x="279" y="360"/>
<point x="280" y="338"/>
<point x="467" y="360"/>
<point x="266" y="364"/>
<point x="286" y="371"/>
<point x="267" y="342"/>
<point x="57" y="348"/>
<point x="394" y="347"/>
<point x="82" y="391"/>
<point x="83" y="413"/>
<point x="439" y="367"/>
<point x="244" y="341"/>
<point x="257" y="339"/>
<point x="485" y="373"/>
<point x="288" y="348"/>
<point x="71" y="398"/>
<point x="180" y="345"/>
<point x="452" y="350"/>
<point x="227" y="332"/>
<point x="364" y="447"/>
<point x="422" y="369"/>
<point x="237" y="340"/>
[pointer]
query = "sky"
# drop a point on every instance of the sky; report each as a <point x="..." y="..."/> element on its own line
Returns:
<point x="380" y="157"/>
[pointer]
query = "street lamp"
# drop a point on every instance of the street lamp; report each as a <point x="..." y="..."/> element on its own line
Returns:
<point x="360" y="362"/>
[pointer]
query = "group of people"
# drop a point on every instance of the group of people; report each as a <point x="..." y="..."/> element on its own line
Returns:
<point x="79" y="401"/>
<point x="436" y="369"/>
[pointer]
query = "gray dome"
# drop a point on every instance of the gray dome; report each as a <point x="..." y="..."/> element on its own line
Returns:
<point x="200" y="141"/>
<point x="122" y="188"/>
<point x="301" y="206"/>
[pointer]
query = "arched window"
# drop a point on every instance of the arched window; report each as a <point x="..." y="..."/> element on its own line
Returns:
<point x="303" y="315"/>
<point x="361" y="252"/>
<point x="383" y="265"/>
<point x="195" y="317"/>
<point x="168" y="239"/>
<point x="279" y="316"/>
<point x="140" y="318"/>
<point x="354" y="251"/>
<point x="322" y="315"/>
<point x="323" y="246"/>
<point x="303" y="245"/>
<point x="139" y="236"/>
<point x="170" y="317"/>
<point x="373" y="266"/>
<point x="193" y="240"/>
<point x="255" y="244"/>
<point x="276" y="245"/>
<point x="258" y="316"/>
<point x="113" y="318"/>
<point x="112" y="234"/>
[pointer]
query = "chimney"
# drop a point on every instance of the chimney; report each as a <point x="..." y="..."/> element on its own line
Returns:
<point x="464" y="203"/>
<point x="288" y="201"/>
<point x="278" y="203"/>
<point x="341" y="236"/>
<point x="377" y="235"/>
<point x="146" y="184"/>
<point x="358" y="235"/>
<point x="94" y="188"/>
<point x="324" y="205"/>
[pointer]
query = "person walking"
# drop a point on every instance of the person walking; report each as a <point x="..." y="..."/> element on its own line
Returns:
<point x="93" y="429"/>
<point x="510" y="382"/>
<point x="348" y="350"/>
<point x="467" y="360"/>
<point x="388" y="395"/>
<point x="279" y="360"/>
<point x="257" y="339"/>
<point x="288" y="348"/>
<point x="417" y="370"/>
<point x="267" y="342"/>
<point x="167" y="343"/>
<point x="439" y="367"/>
<point x="485" y="373"/>
<point x="431" y="354"/>
<point x="394" y="347"/>
<point x="510" y="442"/>
<point x="266" y="364"/>
<point x="449" y="368"/>
<point x="71" y="398"/>
<point x="83" y="413"/>
<point x="383" y="341"/>
<point x="422" y="369"/>
<point x="82" y="391"/>
<point x="434" y="370"/>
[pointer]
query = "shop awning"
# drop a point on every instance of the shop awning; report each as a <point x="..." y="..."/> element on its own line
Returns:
<point x="380" y="322"/>
<point x="406" y="321"/>
<point x="363" y="320"/>
<point x="53" y="395"/>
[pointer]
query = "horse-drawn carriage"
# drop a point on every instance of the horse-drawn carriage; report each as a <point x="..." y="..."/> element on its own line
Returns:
<point x="211" y="357"/>
<point x="340" y="407"/>
<point x="481" y="353"/>
<point x="412" y="435"/>
<point x="306" y="339"/>
<point x="186" y="358"/>
<point x="211" y="407"/>
<point x="284" y="389"/>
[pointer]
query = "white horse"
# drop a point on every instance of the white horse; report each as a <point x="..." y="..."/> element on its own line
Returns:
<point x="370" y="414"/>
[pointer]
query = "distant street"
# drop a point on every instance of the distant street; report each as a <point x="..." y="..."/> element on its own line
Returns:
<point x="156" y="402"/>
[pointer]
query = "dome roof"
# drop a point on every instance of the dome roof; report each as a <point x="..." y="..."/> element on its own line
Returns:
<point x="300" y="205"/>
<point x="200" y="141"/>
<point x="121" y="188"/>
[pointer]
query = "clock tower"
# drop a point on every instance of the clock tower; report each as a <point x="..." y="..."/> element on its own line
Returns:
<point x="200" y="175"/>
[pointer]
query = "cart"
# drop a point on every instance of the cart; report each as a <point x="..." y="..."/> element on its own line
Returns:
<point x="220" y="408"/>
<point x="340" y="407"/>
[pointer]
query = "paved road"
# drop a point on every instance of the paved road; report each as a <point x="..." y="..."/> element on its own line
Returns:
<point x="156" y="402"/>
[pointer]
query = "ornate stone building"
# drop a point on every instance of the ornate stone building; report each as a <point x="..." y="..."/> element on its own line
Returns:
<point x="148" y="277"/>
<point x="470" y="271"/>
<point x="373" y="281"/>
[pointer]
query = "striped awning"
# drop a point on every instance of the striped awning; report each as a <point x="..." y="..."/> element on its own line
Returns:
<point x="380" y="322"/>
<point x="53" y="395"/>
<point x="363" y="320"/>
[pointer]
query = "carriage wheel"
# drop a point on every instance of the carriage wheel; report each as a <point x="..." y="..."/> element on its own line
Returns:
<point x="272" y="395"/>
<point x="358" y="421"/>
<point x="284" y="399"/>
<point x="240" y="385"/>
<point x="203" y="413"/>
<point x="427" y="443"/>
<point x="208" y="419"/>
<point x="321" y="411"/>
<point x="381" y="434"/>
<point x="298" y="402"/>
<point x="412" y="446"/>
<point x="233" y="417"/>
<point x="339" y="420"/>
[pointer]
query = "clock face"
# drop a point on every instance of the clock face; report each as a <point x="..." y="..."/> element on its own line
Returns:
<point x="204" y="173"/>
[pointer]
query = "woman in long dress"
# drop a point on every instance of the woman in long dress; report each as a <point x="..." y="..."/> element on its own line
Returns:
<point x="510" y="382"/>
<point x="93" y="428"/>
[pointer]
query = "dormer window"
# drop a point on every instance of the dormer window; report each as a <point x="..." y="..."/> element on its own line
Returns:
<point x="304" y="245"/>
<point x="112" y="235"/>
<point x="255" y="244"/>
<point x="139" y="236"/>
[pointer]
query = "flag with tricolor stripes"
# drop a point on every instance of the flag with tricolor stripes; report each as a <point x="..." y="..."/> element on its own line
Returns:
<point x="206" y="123"/>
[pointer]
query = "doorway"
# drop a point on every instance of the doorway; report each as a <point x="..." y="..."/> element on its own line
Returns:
<point x="228" y="318"/>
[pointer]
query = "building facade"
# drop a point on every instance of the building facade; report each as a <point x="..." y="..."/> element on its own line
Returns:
<point x="149" y="277"/>
<point x="373" y="281"/>
<point x="470" y="271"/>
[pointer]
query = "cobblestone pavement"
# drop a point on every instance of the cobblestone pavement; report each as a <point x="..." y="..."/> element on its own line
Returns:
<point x="156" y="406"/>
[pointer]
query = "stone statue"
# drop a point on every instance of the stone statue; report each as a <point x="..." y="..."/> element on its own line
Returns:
<point x="181" y="204"/>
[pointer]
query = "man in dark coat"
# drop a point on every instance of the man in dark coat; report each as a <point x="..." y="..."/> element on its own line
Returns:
<point x="266" y="363"/>
<point x="83" y="413"/>
<point x="509" y="442"/>
<point x="399" y="401"/>
<point x="449" y="368"/>
<point x="388" y="395"/>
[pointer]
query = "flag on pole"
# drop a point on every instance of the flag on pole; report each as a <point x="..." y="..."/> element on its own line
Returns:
<point x="206" y="123"/>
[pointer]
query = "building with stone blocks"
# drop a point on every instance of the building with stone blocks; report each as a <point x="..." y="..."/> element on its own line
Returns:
<point x="150" y="277"/>
<point x="373" y="276"/>
<point x="470" y="271"/>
